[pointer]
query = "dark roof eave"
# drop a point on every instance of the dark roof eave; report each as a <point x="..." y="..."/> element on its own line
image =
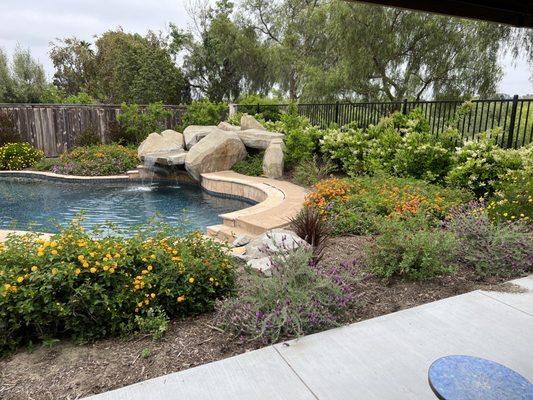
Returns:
<point x="518" y="13"/>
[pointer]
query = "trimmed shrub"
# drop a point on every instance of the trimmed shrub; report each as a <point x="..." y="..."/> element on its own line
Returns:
<point x="16" y="156"/>
<point x="85" y="287"/>
<point x="299" y="298"/>
<point x="111" y="159"/>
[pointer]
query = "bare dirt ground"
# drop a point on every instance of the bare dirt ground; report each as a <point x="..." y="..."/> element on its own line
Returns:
<point x="70" y="371"/>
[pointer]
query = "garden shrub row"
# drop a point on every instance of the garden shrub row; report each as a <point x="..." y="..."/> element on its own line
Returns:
<point x="91" y="286"/>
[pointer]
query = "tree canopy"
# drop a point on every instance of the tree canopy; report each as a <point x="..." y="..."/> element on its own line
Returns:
<point x="305" y="50"/>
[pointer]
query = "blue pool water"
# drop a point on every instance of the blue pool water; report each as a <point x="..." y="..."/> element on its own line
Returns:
<point x="41" y="206"/>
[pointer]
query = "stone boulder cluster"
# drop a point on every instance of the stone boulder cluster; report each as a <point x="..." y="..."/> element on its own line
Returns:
<point x="202" y="149"/>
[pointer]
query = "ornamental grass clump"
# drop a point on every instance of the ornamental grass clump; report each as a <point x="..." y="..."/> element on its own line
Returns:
<point x="299" y="298"/>
<point x="89" y="286"/>
<point x="491" y="248"/>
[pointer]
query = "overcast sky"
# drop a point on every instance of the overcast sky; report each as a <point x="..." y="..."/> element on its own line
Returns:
<point x="34" y="23"/>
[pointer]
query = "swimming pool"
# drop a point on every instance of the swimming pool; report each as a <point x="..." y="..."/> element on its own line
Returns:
<point x="42" y="205"/>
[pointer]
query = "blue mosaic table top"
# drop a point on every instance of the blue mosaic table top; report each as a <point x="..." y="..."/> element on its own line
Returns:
<point x="461" y="377"/>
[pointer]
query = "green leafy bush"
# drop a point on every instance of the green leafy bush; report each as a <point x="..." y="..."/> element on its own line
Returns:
<point x="421" y="156"/>
<point x="204" y="112"/>
<point x="252" y="165"/>
<point x="262" y="107"/>
<point x="488" y="248"/>
<point x="55" y="96"/>
<point x="410" y="250"/>
<point x="86" y="287"/>
<point x="480" y="164"/>
<point x="137" y="123"/>
<point x="15" y="156"/>
<point x="299" y="298"/>
<point x="8" y="128"/>
<point x="302" y="140"/>
<point x="348" y="148"/>
<point x="112" y="159"/>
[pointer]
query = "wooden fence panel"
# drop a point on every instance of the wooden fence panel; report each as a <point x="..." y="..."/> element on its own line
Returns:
<point x="53" y="128"/>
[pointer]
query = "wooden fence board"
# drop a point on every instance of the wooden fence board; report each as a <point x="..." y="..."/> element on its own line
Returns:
<point x="53" y="128"/>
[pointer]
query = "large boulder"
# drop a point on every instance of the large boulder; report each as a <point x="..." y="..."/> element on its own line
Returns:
<point x="174" y="157"/>
<point x="273" y="160"/>
<point x="274" y="242"/>
<point x="194" y="133"/>
<point x="249" y="122"/>
<point x="156" y="143"/>
<point x="226" y="126"/>
<point x="258" y="139"/>
<point x="218" y="151"/>
<point x="174" y="136"/>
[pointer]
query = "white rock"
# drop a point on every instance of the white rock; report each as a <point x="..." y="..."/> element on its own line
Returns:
<point x="258" y="139"/>
<point x="241" y="240"/>
<point x="273" y="242"/>
<point x="194" y="133"/>
<point x="249" y="122"/>
<point x="156" y="143"/>
<point x="226" y="126"/>
<point x="218" y="151"/>
<point x="273" y="160"/>
<point x="174" y="136"/>
<point x="262" y="265"/>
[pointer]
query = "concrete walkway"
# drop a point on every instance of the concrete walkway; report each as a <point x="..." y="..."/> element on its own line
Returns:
<point x="382" y="358"/>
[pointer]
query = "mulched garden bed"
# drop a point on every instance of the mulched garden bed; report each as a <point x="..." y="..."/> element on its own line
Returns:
<point x="69" y="371"/>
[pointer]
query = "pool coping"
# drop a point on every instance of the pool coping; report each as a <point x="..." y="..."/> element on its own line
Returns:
<point x="277" y="201"/>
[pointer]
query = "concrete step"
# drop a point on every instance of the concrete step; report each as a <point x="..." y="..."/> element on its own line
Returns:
<point x="227" y="233"/>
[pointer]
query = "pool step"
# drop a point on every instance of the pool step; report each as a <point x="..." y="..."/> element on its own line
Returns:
<point x="227" y="233"/>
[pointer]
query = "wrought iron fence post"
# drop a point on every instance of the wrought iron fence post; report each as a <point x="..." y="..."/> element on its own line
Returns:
<point x="512" y="122"/>
<point x="404" y="107"/>
<point x="337" y="112"/>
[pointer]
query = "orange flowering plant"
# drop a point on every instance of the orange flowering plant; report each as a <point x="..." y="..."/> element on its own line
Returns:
<point x="358" y="205"/>
<point x="88" y="286"/>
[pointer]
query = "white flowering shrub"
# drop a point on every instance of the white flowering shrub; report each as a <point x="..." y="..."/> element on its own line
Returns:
<point x="479" y="165"/>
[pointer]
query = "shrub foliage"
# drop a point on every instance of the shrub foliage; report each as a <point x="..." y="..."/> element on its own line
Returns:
<point x="85" y="287"/>
<point x="16" y="156"/>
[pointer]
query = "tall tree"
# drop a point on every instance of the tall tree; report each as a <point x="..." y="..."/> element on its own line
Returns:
<point x="27" y="77"/>
<point x="223" y="59"/>
<point x="295" y="31"/>
<point x="5" y="77"/>
<point x="137" y="69"/>
<point x="385" y="53"/>
<point x="74" y="62"/>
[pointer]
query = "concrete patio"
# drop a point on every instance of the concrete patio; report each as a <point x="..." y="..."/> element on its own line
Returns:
<point x="382" y="358"/>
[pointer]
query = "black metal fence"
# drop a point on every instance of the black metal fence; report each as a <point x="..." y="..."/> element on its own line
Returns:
<point x="510" y="119"/>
